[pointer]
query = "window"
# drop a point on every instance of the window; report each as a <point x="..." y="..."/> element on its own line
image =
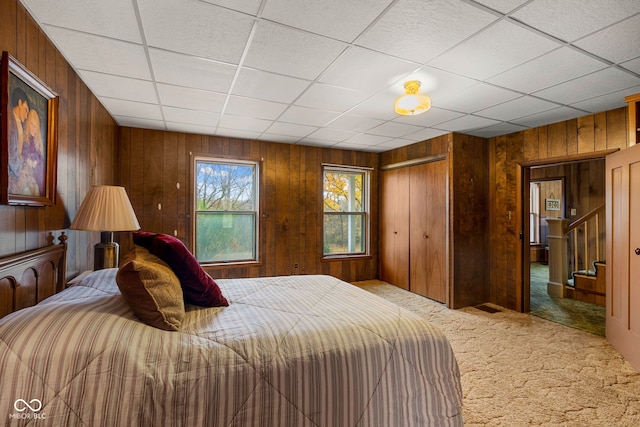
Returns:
<point x="346" y="206"/>
<point x="226" y="210"/>
<point x="534" y="212"/>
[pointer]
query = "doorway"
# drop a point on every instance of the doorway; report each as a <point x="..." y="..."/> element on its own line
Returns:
<point x="566" y="189"/>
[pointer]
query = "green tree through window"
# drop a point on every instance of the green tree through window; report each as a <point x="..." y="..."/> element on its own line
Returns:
<point x="225" y="211"/>
<point x="345" y="211"/>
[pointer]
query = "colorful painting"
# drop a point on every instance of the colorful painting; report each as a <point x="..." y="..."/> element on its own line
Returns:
<point x="29" y="137"/>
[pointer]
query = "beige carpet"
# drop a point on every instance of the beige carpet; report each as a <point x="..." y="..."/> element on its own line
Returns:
<point x="521" y="370"/>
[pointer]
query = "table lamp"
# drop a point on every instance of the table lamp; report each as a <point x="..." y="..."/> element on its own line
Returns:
<point x="106" y="208"/>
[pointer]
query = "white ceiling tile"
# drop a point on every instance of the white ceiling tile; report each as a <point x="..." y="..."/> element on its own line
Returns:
<point x="430" y="118"/>
<point x="608" y="101"/>
<point x="466" y="123"/>
<point x="251" y="107"/>
<point x="115" y="19"/>
<point x="139" y="123"/>
<point x="550" y="116"/>
<point x="292" y="52"/>
<point x="496" y="130"/>
<point x="238" y="133"/>
<point x="396" y="143"/>
<point x="88" y="52"/>
<point x="268" y="86"/>
<point x="194" y="99"/>
<point x="289" y="129"/>
<point x="311" y="142"/>
<point x="393" y="129"/>
<point x="307" y="116"/>
<point x="190" y="128"/>
<point x="474" y="98"/>
<point x="138" y="110"/>
<point x="350" y="146"/>
<point x="572" y="19"/>
<point x="515" y="108"/>
<point x="331" y="135"/>
<point x="354" y="123"/>
<point x="503" y="6"/>
<point x="420" y="30"/>
<point x="424" y="134"/>
<point x="555" y="67"/>
<point x="331" y="98"/>
<point x="368" y="139"/>
<point x="380" y="70"/>
<point x="379" y="106"/>
<point x="247" y="6"/>
<point x="612" y="43"/>
<point x="228" y="121"/>
<point x="633" y="65"/>
<point x="496" y="49"/>
<point x="191" y="71"/>
<point x="279" y="138"/>
<point x="338" y="19"/>
<point x="195" y="28"/>
<point x="182" y="115"/>
<point x="119" y="87"/>
<point x="595" y="84"/>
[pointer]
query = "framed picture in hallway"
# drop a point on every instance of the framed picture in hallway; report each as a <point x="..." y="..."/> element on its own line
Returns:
<point x="28" y="137"/>
<point x="552" y="204"/>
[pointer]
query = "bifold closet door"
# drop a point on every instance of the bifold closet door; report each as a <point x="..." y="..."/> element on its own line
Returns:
<point x="428" y="230"/>
<point x="394" y="215"/>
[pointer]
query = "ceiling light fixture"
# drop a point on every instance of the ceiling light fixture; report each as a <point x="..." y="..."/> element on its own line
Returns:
<point x="412" y="103"/>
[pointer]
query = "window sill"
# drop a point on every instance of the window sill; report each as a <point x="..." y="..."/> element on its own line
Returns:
<point x="222" y="265"/>
<point x="345" y="258"/>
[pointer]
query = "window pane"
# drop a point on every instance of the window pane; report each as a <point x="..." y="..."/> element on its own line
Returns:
<point x="344" y="234"/>
<point x="225" y="237"/>
<point x="224" y="187"/>
<point x="343" y="191"/>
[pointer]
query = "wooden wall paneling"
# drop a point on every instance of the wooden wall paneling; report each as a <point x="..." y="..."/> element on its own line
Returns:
<point x="153" y="148"/>
<point x="572" y="136"/>
<point x="283" y="197"/>
<point x="531" y="150"/>
<point x="557" y="139"/>
<point x="169" y="181"/>
<point x="600" y="131"/>
<point x="586" y="134"/>
<point x="617" y="134"/>
<point x="514" y="156"/>
<point x="296" y="201"/>
<point x="499" y="238"/>
<point x="313" y="209"/>
<point x="182" y="193"/>
<point x="269" y="215"/>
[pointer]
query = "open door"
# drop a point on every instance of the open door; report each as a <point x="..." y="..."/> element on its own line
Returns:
<point x="623" y="252"/>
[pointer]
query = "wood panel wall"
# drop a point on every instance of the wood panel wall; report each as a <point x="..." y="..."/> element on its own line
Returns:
<point x="87" y="145"/>
<point x="552" y="143"/>
<point x="155" y="169"/>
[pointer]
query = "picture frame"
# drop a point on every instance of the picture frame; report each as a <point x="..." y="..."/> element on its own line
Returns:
<point x="552" y="204"/>
<point x="28" y="137"/>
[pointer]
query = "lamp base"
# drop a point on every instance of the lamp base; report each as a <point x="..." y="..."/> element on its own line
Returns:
<point x="106" y="253"/>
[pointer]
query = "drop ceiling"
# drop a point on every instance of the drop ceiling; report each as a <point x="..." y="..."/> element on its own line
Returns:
<point x="327" y="72"/>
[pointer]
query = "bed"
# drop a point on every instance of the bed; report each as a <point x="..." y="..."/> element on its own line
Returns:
<point x="287" y="351"/>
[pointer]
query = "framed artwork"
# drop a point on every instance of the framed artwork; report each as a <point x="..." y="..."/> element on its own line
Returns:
<point x="28" y="137"/>
<point x="552" y="204"/>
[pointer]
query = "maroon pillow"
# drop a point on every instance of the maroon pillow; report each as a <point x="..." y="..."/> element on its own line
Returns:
<point x="197" y="286"/>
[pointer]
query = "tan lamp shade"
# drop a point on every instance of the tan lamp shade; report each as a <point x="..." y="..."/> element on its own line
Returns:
<point x="106" y="208"/>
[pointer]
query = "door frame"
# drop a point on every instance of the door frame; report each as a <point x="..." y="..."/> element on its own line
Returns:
<point x="523" y="177"/>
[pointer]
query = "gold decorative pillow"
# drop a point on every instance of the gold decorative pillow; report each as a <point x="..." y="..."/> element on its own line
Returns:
<point x="151" y="289"/>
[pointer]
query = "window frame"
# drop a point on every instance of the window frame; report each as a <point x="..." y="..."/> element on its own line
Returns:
<point x="366" y="210"/>
<point x="256" y="212"/>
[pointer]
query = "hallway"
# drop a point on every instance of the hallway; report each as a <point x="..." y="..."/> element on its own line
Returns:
<point x="569" y="312"/>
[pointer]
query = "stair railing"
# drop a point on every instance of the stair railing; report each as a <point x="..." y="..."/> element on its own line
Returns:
<point x="583" y="223"/>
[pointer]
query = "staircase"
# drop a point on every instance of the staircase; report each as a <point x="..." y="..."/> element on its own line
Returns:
<point x="587" y="285"/>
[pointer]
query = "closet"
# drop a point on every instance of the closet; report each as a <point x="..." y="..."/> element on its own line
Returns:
<point x="413" y="250"/>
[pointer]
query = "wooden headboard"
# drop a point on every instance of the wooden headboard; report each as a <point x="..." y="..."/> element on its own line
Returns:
<point x="29" y="277"/>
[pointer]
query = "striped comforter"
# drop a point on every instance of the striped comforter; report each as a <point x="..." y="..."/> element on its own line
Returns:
<point x="288" y="351"/>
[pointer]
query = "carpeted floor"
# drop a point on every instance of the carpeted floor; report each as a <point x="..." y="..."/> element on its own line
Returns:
<point x="521" y="370"/>
<point x="569" y="312"/>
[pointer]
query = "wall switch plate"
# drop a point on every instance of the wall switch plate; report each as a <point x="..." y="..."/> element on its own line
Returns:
<point x="573" y="212"/>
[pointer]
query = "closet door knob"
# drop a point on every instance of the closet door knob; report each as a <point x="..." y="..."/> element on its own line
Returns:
<point x="637" y="251"/>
